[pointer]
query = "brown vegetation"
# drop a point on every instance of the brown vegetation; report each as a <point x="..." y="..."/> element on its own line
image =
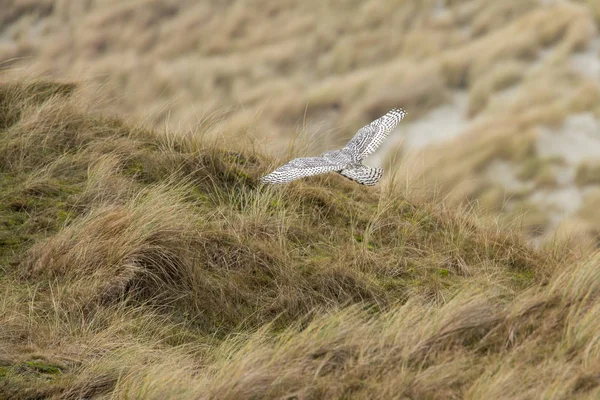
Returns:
<point x="273" y="68"/>
<point x="297" y="66"/>
<point x="144" y="264"/>
<point x="144" y="260"/>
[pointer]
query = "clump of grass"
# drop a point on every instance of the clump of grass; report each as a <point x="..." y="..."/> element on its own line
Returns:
<point x="532" y="217"/>
<point x="499" y="77"/>
<point x="14" y="97"/>
<point x="587" y="174"/>
<point x="540" y="170"/>
<point x="589" y="210"/>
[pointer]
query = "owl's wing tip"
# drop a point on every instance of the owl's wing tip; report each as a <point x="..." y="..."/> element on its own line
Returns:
<point x="399" y="110"/>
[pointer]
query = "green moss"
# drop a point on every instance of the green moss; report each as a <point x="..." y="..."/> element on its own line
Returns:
<point x="134" y="167"/>
<point x="523" y="279"/>
<point x="392" y="284"/>
<point x="360" y="239"/>
<point x="275" y="204"/>
<point x="416" y="282"/>
<point x="63" y="215"/>
<point x="42" y="367"/>
<point x="242" y="175"/>
<point x="198" y="195"/>
<point x="27" y="372"/>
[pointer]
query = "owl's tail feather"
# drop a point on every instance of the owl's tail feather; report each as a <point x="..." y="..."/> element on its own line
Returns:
<point x="363" y="174"/>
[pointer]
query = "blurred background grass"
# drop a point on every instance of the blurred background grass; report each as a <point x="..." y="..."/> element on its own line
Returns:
<point x="503" y="97"/>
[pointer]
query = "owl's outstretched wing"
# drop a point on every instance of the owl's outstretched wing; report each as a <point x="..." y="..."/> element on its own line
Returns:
<point x="300" y="168"/>
<point x="370" y="137"/>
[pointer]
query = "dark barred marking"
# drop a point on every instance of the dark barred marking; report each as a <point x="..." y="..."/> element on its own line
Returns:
<point x="363" y="174"/>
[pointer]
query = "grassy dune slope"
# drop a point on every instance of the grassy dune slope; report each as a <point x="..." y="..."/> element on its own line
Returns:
<point x="515" y="81"/>
<point x="139" y="264"/>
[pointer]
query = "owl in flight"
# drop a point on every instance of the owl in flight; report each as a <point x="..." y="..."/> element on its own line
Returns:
<point x="347" y="161"/>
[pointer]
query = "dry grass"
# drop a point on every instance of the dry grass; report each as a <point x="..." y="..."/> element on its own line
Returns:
<point x="271" y="69"/>
<point x="588" y="174"/>
<point x="499" y="77"/>
<point x="589" y="209"/>
<point x="137" y="263"/>
<point x="145" y="264"/>
<point x="313" y="66"/>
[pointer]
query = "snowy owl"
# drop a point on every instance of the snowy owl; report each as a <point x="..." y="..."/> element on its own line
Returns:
<point x="347" y="161"/>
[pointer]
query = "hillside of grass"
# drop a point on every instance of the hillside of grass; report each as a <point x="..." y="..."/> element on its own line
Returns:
<point x="144" y="264"/>
<point x="513" y="84"/>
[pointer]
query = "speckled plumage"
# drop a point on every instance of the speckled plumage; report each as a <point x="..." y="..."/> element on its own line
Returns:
<point x="347" y="161"/>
